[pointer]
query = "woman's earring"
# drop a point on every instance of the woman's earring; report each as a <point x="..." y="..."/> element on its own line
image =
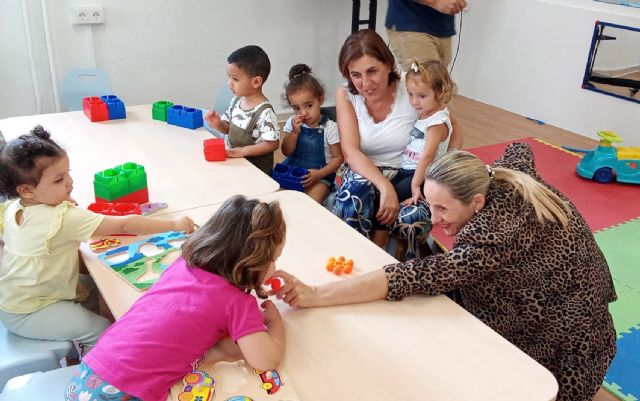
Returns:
<point x="475" y="211"/>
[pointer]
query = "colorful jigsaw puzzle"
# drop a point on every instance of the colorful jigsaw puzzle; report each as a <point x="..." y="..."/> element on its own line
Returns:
<point x="133" y="262"/>
<point x="234" y="381"/>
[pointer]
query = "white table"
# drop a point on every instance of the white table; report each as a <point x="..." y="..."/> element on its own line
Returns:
<point x="422" y="348"/>
<point x="177" y="172"/>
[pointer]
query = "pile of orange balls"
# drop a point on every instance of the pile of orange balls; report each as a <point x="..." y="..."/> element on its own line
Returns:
<point x="340" y="265"/>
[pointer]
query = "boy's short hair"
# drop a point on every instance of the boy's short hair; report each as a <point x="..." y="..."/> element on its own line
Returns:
<point x="253" y="60"/>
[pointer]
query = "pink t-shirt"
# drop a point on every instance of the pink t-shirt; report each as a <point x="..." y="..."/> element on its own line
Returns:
<point x="171" y="326"/>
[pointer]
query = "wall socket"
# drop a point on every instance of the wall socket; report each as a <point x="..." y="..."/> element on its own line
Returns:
<point x="87" y="15"/>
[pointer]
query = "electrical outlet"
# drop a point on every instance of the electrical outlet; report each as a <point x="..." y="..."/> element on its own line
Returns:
<point x="87" y="15"/>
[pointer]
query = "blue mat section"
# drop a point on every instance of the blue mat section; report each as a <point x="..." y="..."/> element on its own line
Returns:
<point x="623" y="376"/>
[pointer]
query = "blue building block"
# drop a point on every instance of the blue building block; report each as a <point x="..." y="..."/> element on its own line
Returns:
<point x="115" y="106"/>
<point x="186" y="117"/>
<point x="289" y="177"/>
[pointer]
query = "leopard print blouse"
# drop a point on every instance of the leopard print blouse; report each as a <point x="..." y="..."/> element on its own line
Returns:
<point x="541" y="286"/>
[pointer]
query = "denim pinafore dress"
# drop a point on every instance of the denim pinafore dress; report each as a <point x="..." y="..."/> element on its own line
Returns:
<point x="309" y="151"/>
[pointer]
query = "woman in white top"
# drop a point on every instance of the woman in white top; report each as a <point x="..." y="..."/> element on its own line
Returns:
<point x="375" y="119"/>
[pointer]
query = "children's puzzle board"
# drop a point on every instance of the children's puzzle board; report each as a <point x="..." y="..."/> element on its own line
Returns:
<point x="234" y="381"/>
<point x="142" y="263"/>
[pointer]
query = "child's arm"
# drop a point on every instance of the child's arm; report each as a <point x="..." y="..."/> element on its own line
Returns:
<point x="291" y="138"/>
<point x="135" y="224"/>
<point x="455" y="142"/>
<point x="435" y="134"/>
<point x="257" y="149"/>
<point x="263" y="350"/>
<point x="214" y="120"/>
<point x="334" y="164"/>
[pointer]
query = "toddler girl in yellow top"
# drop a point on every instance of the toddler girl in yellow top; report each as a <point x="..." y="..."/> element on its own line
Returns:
<point x="42" y="229"/>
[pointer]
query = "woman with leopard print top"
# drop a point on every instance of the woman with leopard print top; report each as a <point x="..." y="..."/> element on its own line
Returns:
<point x="524" y="261"/>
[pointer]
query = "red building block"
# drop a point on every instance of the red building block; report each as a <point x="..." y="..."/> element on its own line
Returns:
<point x="140" y="196"/>
<point x="115" y="209"/>
<point x="95" y="109"/>
<point x="214" y="150"/>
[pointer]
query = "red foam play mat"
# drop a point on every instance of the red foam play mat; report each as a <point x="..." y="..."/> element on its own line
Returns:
<point x="602" y="205"/>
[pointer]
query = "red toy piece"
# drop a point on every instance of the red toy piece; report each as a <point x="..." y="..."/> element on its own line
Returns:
<point x="214" y="150"/>
<point x="115" y="209"/>
<point x="275" y="284"/>
<point x="95" y="109"/>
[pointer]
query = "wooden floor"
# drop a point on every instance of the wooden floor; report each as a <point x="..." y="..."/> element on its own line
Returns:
<point x="485" y="125"/>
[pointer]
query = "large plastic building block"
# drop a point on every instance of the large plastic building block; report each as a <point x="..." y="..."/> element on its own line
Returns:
<point x="115" y="107"/>
<point x="159" y="110"/>
<point x="95" y="109"/>
<point x="125" y="183"/>
<point x="186" y="117"/>
<point x="214" y="150"/>
<point x="136" y="175"/>
<point x="289" y="177"/>
<point x="115" y="209"/>
<point x="110" y="184"/>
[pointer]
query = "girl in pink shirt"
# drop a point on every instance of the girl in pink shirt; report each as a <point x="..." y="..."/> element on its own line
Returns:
<point x="201" y="298"/>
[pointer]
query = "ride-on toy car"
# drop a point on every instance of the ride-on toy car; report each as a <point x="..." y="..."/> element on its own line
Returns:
<point x="606" y="161"/>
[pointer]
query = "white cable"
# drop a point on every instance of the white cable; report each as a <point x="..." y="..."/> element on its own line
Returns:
<point x="52" y="66"/>
<point x="32" y="61"/>
<point x="92" y="48"/>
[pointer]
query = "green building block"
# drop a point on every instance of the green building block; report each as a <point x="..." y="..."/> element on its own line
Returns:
<point x="135" y="174"/>
<point x="111" y="184"/>
<point x="159" y="110"/>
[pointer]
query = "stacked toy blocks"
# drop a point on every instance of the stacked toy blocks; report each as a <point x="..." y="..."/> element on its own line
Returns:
<point x="126" y="183"/>
<point x="182" y="116"/>
<point x="103" y="108"/>
<point x="289" y="177"/>
<point x="214" y="150"/>
<point x="115" y="209"/>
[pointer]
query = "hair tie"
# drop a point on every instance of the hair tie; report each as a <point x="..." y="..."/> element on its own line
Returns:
<point x="490" y="171"/>
<point x="302" y="73"/>
<point x="414" y="67"/>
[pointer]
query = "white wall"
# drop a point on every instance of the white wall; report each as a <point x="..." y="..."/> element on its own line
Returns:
<point x="529" y="56"/>
<point x="165" y="49"/>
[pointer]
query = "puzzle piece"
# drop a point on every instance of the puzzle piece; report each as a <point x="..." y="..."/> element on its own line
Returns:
<point x="622" y="376"/>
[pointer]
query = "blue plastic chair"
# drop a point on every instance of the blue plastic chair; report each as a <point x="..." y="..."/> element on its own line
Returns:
<point x="223" y="100"/>
<point x="20" y="355"/>
<point x="47" y="386"/>
<point x="80" y="83"/>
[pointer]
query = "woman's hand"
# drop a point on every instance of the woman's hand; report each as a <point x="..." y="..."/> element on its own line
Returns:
<point x="310" y="179"/>
<point x="183" y="223"/>
<point x="389" y="205"/>
<point x="295" y="292"/>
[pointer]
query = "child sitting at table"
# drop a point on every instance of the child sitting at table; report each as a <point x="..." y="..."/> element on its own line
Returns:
<point x="311" y="140"/>
<point x="199" y="300"/>
<point x="42" y="229"/>
<point x="250" y="120"/>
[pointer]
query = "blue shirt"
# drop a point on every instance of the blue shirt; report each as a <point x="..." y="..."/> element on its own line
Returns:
<point x="409" y="15"/>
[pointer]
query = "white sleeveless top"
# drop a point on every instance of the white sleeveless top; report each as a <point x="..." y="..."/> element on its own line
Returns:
<point x="384" y="142"/>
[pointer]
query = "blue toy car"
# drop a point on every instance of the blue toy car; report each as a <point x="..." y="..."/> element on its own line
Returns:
<point x="606" y="161"/>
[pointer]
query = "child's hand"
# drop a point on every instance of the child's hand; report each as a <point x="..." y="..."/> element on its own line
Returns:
<point x="224" y="350"/>
<point x="270" y="313"/>
<point x="416" y="195"/>
<point x="70" y="199"/>
<point x="310" y="179"/>
<point x="183" y="223"/>
<point x="235" y="152"/>
<point x="296" y="124"/>
<point x="213" y="119"/>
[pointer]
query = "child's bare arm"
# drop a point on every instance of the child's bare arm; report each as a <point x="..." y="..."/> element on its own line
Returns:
<point x="263" y="350"/>
<point x="457" y="134"/>
<point x="291" y="138"/>
<point x="434" y="135"/>
<point x="257" y="149"/>
<point x="135" y="224"/>
<point x="214" y="120"/>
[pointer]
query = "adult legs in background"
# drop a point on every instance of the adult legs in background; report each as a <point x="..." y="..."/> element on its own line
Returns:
<point x="421" y="46"/>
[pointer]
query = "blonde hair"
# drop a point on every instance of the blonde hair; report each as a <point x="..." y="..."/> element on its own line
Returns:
<point x="465" y="175"/>
<point x="238" y="242"/>
<point x="435" y="75"/>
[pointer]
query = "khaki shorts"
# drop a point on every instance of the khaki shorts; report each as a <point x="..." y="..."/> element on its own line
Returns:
<point x="418" y="45"/>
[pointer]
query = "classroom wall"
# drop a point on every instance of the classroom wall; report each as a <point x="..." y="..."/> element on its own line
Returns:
<point x="163" y="49"/>
<point x="529" y="56"/>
